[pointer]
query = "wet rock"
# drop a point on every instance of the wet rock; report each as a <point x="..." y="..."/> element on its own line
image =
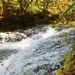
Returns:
<point x="11" y="37"/>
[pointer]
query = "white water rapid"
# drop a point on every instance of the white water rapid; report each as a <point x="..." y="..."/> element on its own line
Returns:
<point x="36" y="54"/>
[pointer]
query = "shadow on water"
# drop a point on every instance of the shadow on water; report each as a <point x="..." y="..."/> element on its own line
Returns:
<point x="5" y="53"/>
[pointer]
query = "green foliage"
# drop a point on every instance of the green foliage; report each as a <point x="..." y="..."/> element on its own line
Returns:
<point x="59" y="72"/>
<point x="24" y="73"/>
<point x="53" y="6"/>
<point x="68" y="64"/>
<point x="45" y="11"/>
<point x="64" y="13"/>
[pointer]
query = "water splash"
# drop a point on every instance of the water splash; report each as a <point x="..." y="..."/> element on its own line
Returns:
<point x="37" y="51"/>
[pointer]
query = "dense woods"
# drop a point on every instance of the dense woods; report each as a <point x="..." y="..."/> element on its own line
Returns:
<point x="16" y="14"/>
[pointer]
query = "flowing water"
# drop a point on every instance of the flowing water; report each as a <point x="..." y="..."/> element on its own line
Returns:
<point x="37" y="51"/>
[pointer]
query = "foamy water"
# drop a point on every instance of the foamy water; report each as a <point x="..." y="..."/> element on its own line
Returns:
<point x="34" y="52"/>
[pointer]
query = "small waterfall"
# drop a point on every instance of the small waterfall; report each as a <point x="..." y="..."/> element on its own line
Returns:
<point x="42" y="50"/>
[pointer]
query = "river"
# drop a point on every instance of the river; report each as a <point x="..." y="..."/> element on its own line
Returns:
<point x="36" y="51"/>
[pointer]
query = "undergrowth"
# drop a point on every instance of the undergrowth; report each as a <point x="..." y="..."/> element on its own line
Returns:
<point x="68" y="64"/>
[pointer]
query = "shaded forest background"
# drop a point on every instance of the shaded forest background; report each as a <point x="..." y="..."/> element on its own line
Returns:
<point x="17" y="14"/>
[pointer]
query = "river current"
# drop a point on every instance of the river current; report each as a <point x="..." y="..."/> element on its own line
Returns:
<point x="35" y="51"/>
